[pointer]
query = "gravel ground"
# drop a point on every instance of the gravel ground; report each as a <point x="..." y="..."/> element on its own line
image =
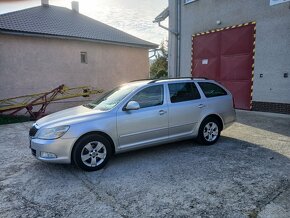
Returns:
<point x="246" y="174"/>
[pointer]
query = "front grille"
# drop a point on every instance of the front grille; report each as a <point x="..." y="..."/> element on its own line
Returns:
<point x="33" y="152"/>
<point x="32" y="131"/>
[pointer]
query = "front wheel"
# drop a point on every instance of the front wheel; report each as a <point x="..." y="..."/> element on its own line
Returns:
<point x="209" y="131"/>
<point x="92" y="152"/>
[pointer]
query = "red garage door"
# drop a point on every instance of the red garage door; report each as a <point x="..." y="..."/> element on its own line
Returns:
<point x="227" y="56"/>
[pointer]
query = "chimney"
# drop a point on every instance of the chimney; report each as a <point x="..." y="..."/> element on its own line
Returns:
<point x="44" y="3"/>
<point x="75" y="6"/>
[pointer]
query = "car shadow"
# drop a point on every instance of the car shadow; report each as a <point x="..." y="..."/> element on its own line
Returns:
<point x="226" y="145"/>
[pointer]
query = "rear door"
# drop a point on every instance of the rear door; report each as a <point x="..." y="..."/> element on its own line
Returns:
<point x="185" y="106"/>
<point x="218" y="101"/>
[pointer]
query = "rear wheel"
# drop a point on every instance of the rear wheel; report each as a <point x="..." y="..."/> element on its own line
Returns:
<point x="92" y="152"/>
<point x="209" y="131"/>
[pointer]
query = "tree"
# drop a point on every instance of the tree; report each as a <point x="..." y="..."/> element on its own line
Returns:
<point x="159" y="67"/>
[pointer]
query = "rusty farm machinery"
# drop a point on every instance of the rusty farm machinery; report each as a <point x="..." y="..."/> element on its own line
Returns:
<point x="11" y="106"/>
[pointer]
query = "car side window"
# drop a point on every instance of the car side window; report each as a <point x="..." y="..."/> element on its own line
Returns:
<point x="150" y="96"/>
<point x="211" y="89"/>
<point x="183" y="92"/>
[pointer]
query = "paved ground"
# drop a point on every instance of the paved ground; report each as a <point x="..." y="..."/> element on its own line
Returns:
<point x="246" y="174"/>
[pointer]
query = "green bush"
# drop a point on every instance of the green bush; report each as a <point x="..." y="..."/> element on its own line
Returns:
<point x="159" y="67"/>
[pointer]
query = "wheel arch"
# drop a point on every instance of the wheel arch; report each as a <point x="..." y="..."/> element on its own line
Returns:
<point x="105" y="135"/>
<point x="215" y="116"/>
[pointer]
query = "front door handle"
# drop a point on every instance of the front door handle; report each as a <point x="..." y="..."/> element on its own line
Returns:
<point x="161" y="112"/>
<point x="201" y="105"/>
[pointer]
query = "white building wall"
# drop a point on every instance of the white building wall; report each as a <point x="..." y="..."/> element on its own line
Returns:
<point x="272" y="39"/>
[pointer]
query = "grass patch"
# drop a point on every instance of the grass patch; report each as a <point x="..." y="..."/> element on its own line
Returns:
<point x="6" y="119"/>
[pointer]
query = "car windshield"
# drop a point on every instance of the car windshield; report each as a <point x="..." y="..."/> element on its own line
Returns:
<point x="111" y="98"/>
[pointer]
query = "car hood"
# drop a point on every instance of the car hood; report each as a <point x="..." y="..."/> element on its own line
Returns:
<point x="67" y="116"/>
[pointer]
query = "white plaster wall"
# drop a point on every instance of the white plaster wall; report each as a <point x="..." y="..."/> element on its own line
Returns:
<point x="32" y="64"/>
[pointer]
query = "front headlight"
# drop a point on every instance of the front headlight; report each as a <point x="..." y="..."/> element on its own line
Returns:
<point x="52" y="133"/>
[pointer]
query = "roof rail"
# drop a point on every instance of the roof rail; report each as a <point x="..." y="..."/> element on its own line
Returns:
<point x="192" y="78"/>
<point x="137" y="80"/>
<point x="155" y="80"/>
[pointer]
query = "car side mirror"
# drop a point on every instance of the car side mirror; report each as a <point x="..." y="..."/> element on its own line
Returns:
<point x="132" y="105"/>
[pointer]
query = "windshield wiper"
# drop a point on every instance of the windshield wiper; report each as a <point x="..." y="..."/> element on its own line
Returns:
<point x="89" y="106"/>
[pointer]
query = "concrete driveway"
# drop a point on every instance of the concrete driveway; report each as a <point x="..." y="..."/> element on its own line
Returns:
<point x="246" y="174"/>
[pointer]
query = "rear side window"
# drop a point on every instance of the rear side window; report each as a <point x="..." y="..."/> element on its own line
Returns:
<point x="150" y="96"/>
<point x="211" y="89"/>
<point x="183" y="92"/>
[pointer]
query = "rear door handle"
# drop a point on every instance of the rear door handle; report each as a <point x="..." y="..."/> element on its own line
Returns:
<point x="201" y="105"/>
<point x="161" y="112"/>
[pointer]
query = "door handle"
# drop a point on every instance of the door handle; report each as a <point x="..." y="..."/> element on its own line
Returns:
<point x="201" y="105"/>
<point x="161" y="112"/>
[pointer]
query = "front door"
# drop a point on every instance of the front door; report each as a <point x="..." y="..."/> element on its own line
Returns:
<point x="146" y="125"/>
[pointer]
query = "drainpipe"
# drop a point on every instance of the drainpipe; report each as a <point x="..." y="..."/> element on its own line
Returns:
<point x="178" y="27"/>
<point x="166" y="28"/>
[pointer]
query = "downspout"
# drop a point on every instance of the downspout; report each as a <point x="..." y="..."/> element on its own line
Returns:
<point x="166" y="28"/>
<point x="178" y="24"/>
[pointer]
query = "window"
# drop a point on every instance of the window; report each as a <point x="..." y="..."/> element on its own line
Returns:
<point x="183" y="92"/>
<point x="84" y="57"/>
<point x="149" y="97"/>
<point x="211" y="89"/>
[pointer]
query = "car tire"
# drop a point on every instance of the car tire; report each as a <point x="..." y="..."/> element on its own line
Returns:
<point x="209" y="131"/>
<point x="91" y="152"/>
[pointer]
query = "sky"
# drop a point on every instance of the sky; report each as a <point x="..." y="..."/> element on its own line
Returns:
<point x="132" y="16"/>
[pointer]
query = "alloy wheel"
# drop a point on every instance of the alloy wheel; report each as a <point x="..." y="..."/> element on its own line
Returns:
<point x="93" y="154"/>
<point x="210" y="131"/>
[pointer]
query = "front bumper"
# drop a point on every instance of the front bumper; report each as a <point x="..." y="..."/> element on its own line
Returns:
<point x="60" y="147"/>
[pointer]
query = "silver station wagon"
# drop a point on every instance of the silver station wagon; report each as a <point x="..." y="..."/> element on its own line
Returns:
<point x="135" y="115"/>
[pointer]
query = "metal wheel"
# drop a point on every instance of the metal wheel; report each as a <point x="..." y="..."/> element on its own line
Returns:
<point x="93" y="154"/>
<point x="211" y="131"/>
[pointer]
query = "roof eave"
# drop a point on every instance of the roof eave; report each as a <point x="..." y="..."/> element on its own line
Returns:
<point x="41" y="35"/>
<point x="162" y="16"/>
